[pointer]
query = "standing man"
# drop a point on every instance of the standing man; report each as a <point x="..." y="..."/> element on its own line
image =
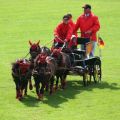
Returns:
<point x="88" y="24"/>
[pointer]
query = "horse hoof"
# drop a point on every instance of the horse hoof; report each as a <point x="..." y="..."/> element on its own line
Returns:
<point x="20" y="98"/>
<point x="17" y="96"/>
<point x="60" y="86"/>
<point x="55" y="88"/>
<point x="40" y="97"/>
<point x="25" y="94"/>
<point x="63" y="87"/>
<point x="34" y="85"/>
<point x="46" y="89"/>
<point x="30" y="87"/>
<point x="50" y="92"/>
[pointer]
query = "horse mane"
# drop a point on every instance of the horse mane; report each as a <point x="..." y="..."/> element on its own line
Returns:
<point x="45" y="50"/>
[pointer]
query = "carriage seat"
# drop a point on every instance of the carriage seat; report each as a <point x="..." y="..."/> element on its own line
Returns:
<point x="83" y="41"/>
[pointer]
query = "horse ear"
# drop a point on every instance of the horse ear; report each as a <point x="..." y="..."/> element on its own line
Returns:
<point x="30" y="42"/>
<point x="38" y="42"/>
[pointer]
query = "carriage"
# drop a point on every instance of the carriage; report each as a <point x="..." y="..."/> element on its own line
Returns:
<point x="88" y="68"/>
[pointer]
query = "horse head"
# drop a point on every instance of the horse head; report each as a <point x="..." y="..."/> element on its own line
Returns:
<point x="45" y="50"/>
<point x="57" y="55"/>
<point x="40" y="62"/>
<point x="34" y="49"/>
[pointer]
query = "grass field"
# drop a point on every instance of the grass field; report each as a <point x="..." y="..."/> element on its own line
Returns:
<point x="21" y="20"/>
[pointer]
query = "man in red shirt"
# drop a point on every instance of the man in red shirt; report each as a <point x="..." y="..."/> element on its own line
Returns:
<point x="88" y="24"/>
<point x="63" y="33"/>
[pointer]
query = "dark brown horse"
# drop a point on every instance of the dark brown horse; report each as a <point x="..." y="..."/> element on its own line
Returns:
<point x="21" y="73"/>
<point x="44" y="72"/>
<point x="34" y="51"/>
<point x="63" y="65"/>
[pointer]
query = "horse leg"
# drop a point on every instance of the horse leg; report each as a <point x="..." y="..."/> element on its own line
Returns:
<point x="30" y="84"/>
<point x="47" y="86"/>
<point x="17" y="87"/>
<point x="65" y="76"/>
<point x="57" y="81"/>
<point x="26" y="85"/>
<point x="63" y="81"/>
<point x="17" y="93"/>
<point x="22" y="88"/>
<point x="21" y="93"/>
<point x="63" y="84"/>
<point x="37" y="85"/>
<point x="25" y="93"/>
<point x="42" y="91"/>
<point x="51" y="84"/>
<point x="62" y="78"/>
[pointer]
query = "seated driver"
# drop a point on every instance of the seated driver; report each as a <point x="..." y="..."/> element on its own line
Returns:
<point x="63" y="33"/>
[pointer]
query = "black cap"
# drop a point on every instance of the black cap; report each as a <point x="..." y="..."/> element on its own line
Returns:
<point x="66" y="17"/>
<point x="87" y="6"/>
<point x="69" y="15"/>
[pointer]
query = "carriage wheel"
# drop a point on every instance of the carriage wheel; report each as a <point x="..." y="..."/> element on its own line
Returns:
<point x="97" y="72"/>
<point x="86" y="76"/>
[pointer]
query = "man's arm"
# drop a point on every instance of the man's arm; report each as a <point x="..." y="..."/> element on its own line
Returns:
<point x="96" y="25"/>
<point x="77" y="25"/>
<point x="69" y="33"/>
<point x="57" y="29"/>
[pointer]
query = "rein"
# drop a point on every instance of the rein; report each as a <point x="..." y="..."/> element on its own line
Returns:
<point x="48" y="43"/>
<point x="52" y="41"/>
<point x="26" y="55"/>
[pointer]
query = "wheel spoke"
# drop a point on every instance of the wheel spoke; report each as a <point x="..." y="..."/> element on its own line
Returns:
<point x="97" y="73"/>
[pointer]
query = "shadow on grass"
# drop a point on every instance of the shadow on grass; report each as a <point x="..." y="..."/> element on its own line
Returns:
<point x="30" y="101"/>
<point x="61" y="96"/>
<point x="74" y="88"/>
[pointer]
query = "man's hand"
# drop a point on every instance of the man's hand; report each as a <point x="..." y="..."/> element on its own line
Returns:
<point x="65" y="40"/>
<point x="88" y="32"/>
<point x="66" y="43"/>
<point x="55" y="36"/>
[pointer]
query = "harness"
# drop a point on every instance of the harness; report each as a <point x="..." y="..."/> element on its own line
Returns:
<point x="41" y="58"/>
<point x="21" y="69"/>
<point x="56" y="53"/>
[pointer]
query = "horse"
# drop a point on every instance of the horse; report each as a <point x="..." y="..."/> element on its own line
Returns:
<point x="62" y="62"/>
<point x="34" y="51"/>
<point x="44" y="72"/>
<point x="63" y="65"/>
<point x="21" y="73"/>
